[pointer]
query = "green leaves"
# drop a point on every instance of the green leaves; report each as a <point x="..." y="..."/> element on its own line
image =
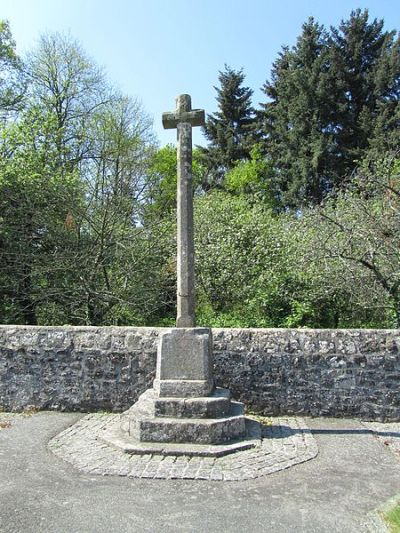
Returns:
<point x="242" y="262"/>
<point x="332" y="99"/>
<point x="230" y="131"/>
<point x="71" y="193"/>
<point x="11" y="86"/>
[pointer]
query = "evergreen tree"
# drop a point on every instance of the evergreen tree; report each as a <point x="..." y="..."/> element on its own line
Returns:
<point x="230" y="131"/>
<point x="297" y="121"/>
<point x="366" y="65"/>
<point x="333" y="100"/>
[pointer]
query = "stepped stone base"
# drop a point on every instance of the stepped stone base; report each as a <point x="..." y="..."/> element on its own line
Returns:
<point x="114" y="436"/>
<point x="189" y="424"/>
<point x="184" y="412"/>
<point x="281" y="443"/>
<point x="217" y="405"/>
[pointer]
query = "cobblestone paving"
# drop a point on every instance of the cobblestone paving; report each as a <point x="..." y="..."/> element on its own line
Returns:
<point x="286" y="442"/>
<point x="387" y="433"/>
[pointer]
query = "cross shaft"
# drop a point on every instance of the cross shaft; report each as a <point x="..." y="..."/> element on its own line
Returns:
<point x="183" y="120"/>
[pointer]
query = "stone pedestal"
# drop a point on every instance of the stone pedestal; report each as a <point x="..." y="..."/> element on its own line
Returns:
<point x="184" y="408"/>
<point x="184" y="363"/>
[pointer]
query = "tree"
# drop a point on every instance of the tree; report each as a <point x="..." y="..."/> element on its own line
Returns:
<point x="66" y="85"/>
<point x="161" y="176"/>
<point x="359" y="231"/>
<point x="35" y="199"/>
<point x="11" y="85"/>
<point x="231" y="130"/>
<point x="244" y="263"/>
<point x="366" y="66"/>
<point x="298" y="120"/>
<point x="252" y="177"/>
<point x="333" y="98"/>
<point x="113" y="286"/>
<point x="72" y="183"/>
<point x="41" y="178"/>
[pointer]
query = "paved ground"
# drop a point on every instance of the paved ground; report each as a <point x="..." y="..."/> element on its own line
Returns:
<point x="353" y="473"/>
<point x="286" y="442"/>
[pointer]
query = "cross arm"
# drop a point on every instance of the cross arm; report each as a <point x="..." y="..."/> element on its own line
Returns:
<point x="195" y="117"/>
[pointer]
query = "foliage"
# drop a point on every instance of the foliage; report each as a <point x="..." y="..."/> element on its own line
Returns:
<point x="366" y="65"/>
<point x="35" y="199"/>
<point x="244" y="263"/>
<point x="87" y="199"/>
<point x="251" y="177"/>
<point x="332" y="99"/>
<point x="230" y="131"/>
<point x="161" y="178"/>
<point x="393" y="518"/>
<point x="358" y="239"/>
<point x="72" y="183"/>
<point x="297" y="119"/>
<point x="11" y="85"/>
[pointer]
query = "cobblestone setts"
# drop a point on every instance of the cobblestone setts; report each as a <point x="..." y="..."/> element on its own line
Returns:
<point x="287" y="442"/>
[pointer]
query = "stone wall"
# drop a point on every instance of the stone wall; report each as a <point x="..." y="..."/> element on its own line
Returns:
<point x="274" y="371"/>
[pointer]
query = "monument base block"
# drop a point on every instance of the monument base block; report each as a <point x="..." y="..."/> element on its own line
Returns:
<point x="184" y="409"/>
<point x="144" y="423"/>
<point x="115" y="437"/>
<point x="184" y="363"/>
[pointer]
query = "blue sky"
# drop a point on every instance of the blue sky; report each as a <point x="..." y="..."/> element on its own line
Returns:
<point x="157" y="49"/>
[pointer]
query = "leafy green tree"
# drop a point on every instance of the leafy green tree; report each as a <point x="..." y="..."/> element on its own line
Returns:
<point x="258" y="269"/>
<point x="244" y="262"/>
<point x="68" y="87"/>
<point x="44" y="152"/>
<point x="231" y="130"/>
<point x="11" y="85"/>
<point x="35" y="200"/>
<point x="72" y="182"/>
<point x="356" y="243"/>
<point x="161" y="176"/>
<point x="252" y="177"/>
<point x="109" y="225"/>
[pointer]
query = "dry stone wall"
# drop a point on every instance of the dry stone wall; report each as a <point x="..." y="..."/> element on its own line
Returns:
<point x="273" y="371"/>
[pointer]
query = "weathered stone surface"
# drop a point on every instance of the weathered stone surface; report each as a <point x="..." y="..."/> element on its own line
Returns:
<point x="188" y="430"/>
<point x="114" y="435"/>
<point x="184" y="363"/>
<point x="286" y="442"/>
<point x="273" y="371"/>
<point x="184" y="119"/>
<point x="214" y="406"/>
<point x="217" y="405"/>
<point x="142" y="422"/>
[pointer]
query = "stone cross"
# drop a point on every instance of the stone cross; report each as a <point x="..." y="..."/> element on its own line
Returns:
<point x="184" y="119"/>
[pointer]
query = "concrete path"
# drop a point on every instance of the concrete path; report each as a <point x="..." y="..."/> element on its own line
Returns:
<point x="354" y="472"/>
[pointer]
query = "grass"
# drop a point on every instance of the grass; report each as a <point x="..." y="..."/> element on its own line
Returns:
<point x="392" y="518"/>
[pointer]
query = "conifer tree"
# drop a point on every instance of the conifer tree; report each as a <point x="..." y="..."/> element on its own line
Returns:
<point x="366" y="66"/>
<point x="297" y="119"/>
<point x="333" y="99"/>
<point x="230" y="131"/>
